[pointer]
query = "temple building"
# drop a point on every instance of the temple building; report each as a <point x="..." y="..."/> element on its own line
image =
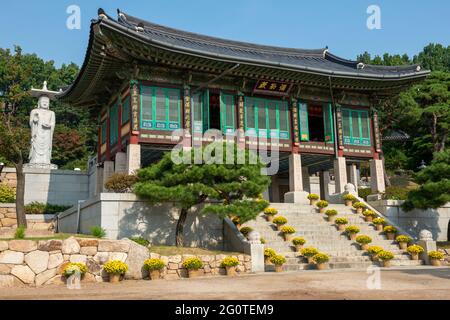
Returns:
<point x="320" y="111"/>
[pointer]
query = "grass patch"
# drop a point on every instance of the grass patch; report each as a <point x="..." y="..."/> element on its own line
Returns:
<point x="443" y="244"/>
<point x="172" y="250"/>
<point x="56" y="236"/>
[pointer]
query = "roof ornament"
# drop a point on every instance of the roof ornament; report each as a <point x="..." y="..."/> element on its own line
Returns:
<point x="121" y="15"/>
<point x="37" y="93"/>
<point x="418" y="68"/>
<point x="360" y="66"/>
<point x="102" y="14"/>
<point x="140" y="27"/>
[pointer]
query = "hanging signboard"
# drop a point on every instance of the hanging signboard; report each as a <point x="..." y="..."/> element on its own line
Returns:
<point x="272" y="87"/>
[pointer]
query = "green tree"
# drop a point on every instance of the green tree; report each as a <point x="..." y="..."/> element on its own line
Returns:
<point x="434" y="180"/>
<point x="232" y="189"/>
<point x="434" y="57"/>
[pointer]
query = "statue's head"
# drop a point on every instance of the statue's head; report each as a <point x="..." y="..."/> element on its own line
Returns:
<point x="44" y="102"/>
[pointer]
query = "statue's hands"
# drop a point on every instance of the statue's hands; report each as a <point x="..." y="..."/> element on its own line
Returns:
<point x="46" y="126"/>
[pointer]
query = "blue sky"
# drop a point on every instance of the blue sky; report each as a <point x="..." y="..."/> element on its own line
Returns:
<point x="407" y="26"/>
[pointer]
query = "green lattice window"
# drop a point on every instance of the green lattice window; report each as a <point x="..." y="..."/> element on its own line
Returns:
<point x="227" y="112"/>
<point x="356" y="127"/>
<point x="103" y="132"/>
<point x="266" y="118"/>
<point x="126" y="105"/>
<point x="160" y="108"/>
<point x="200" y="111"/>
<point x="114" y="124"/>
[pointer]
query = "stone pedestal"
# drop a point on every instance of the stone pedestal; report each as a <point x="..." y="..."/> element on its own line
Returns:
<point x="296" y="193"/>
<point x="275" y="190"/>
<point x="133" y="158"/>
<point x="352" y="175"/>
<point x="121" y="163"/>
<point x="108" y="171"/>
<point x="427" y="245"/>
<point x="377" y="176"/>
<point x="306" y="180"/>
<point x="324" y="180"/>
<point x="340" y="174"/>
<point x="257" y="254"/>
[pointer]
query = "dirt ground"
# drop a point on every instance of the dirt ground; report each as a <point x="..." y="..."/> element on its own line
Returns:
<point x="398" y="283"/>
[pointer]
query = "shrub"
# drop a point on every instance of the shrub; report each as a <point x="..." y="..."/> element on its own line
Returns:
<point x="331" y="212"/>
<point x="341" y="221"/>
<point x="193" y="263"/>
<point x="288" y="230"/>
<point x="321" y="258"/>
<point x="364" y="192"/>
<point x="352" y="229"/>
<point x="278" y="260"/>
<point x="369" y="213"/>
<point x="154" y="264"/>
<point x="390" y="229"/>
<point x="298" y="241"/>
<point x="309" y="252"/>
<point x="98" y="232"/>
<point x="115" y="267"/>
<point x="385" y="255"/>
<point x="121" y="182"/>
<point x="436" y="255"/>
<point x="349" y="197"/>
<point x="414" y="249"/>
<point x="374" y="249"/>
<point x="270" y="211"/>
<point x="403" y="238"/>
<point x="230" y="262"/>
<point x="141" y="241"/>
<point x="357" y="205"/>
<point x="280" y="220"/>
<point x="363" y="239"/>
<point x="7" y="194"/>
<point x="20" y="233"/>
<point x="44" y="208"/>
<point x="379" y="221"/>
<point x="395" y="193"/>
<point x="322" y="204"/>
<point x="73" y="267"/>
<point x="246" y="230"/>
<point x="313" y="196"/>
<point x="262" y="240"/>
<point x="269" y="252"/>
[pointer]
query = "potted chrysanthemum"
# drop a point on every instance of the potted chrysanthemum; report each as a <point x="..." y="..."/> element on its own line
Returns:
<point x="390" y="232"/>
<point x="230" y="264"/>
<point x="279" y="221"/>
<point x="278" y="261"/>
<point x="74" y="267"/>
<point x="154" y="266"/>
<point x="246" y="231"/>
<point x="115" y="269"/>
<point x="313" y="198"/>
<point x="403" y="241"/>
<point x="379" y="223"/>
<point x="270" y="213"/>
<point x="386" y="257"/>
<point x="369" y="215"/>
<point x="373" y="251"/>
<point x="340" y="223"/>
<point x="268" y="253"/>
<point x="288" y="232"/>
<point x="298" y="242"/>
<point x="193" y="266"/>
<point x="359" y="206"/>
<point x="414" y="251"/>
<point x="435" y="258"/>
<point x="352" y="231"/>
<point x="349" y="199"/>
<point x="322" y="204"/>
<point x="321" y="260"/>
<point x="331" y="214"/>
<point x="308" y="253"/>
<point x="364" y="241"/>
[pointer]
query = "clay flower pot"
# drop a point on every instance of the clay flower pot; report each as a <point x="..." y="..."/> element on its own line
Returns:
<point x="348" y="203"/>
<point x="403" y="245"/>
<point x="352" y="236"/>
<point x="321" y="266"/>
<point x="386" y="263"/>
<point x="331" y="218"/>
<point x="310" y="260"/>
<point x="368" y="218"/>
<point x="155" y="274"/>
<point x="435" y="262"/>
<point x="269" y="218"/>
<point x="390" y="236"/>
<point x="364" y="246"/>
<point x="313" y="202"/>
<point x="414" y="256"/>
<point x="298" y="247"/>
<point x="359" y="210"/>
<point x="267" y="260"/>
<point x="379" y="227"/>
<point x="322" y="210"/>
<point x="341" y="227"/>
<point x="192" y="273"/>
<point x="288" y="236"/>
<point x="278" y="268"/>
<point x="374" y="257"/>
<point x="279" y="226"/>
<point x="114" y="278"/>
<point x="231" y="271"/>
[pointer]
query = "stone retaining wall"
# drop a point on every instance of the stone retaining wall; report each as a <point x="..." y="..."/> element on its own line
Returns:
<point x="35" y="222"/>
<point x="37" y="263"/>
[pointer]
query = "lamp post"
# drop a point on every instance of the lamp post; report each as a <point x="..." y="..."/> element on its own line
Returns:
<point x="422" y="165"/>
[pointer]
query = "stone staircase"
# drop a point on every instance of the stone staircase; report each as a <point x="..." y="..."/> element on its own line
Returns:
<point x="324" y="236"/>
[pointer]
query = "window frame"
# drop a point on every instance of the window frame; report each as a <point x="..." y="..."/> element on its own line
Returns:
<point x="356" y="141"/>
<point x="126" y="111"/>
<point x="114" y="123"/>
